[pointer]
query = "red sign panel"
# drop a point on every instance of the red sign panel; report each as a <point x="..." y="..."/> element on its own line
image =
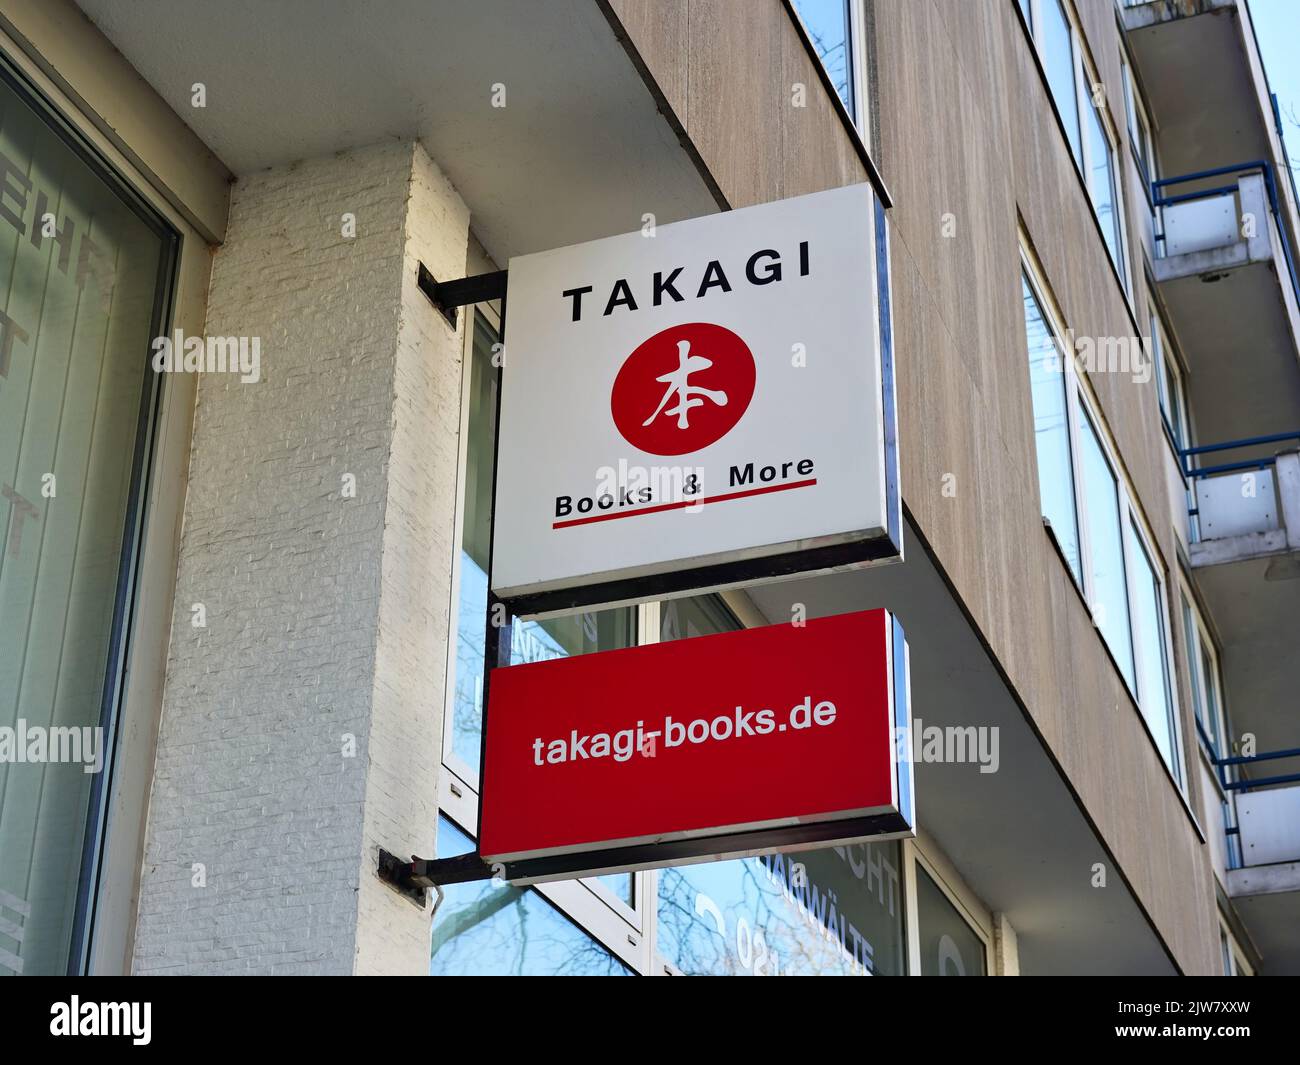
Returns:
<point x="763" y="736"/>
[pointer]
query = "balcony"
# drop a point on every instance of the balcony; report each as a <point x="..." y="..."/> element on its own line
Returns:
<point x="1245" y="555"/>
<point x="1262" y="819"/>
<point x="1203" y="79"/>
<point x="1247" y="509"/>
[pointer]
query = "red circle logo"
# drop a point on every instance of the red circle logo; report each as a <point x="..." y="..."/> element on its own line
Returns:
<point x="683" y="389"/>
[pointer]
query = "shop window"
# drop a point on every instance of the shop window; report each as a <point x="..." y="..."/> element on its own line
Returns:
<point x="832" y="912"/>
<point x="530" y="641"/>
<point x="85" y="275"/>
<point x="835" y="911"/>
<point x="949" y="945"/>
<point x="489" y="928"/>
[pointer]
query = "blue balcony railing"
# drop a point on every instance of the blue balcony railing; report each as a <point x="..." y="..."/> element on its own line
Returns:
<point x="1263" y="462"/>
<point x="1160" y="198"/>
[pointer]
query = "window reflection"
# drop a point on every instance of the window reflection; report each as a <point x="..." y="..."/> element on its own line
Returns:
<point x="827" y="22"/>
<point x="836" y="911"/>
<point x="1047" y="381"/>
<point x="531" y="641"/>
<point x="488" y="928"/>
<point x="832" y="912"/>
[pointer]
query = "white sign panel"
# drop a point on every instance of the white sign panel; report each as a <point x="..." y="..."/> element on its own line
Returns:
<point x="695" y="406"/>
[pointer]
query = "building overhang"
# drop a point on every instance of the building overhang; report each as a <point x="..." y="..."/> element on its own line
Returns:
<point x="1018" y="834"/>
<point x="534" y="111"/>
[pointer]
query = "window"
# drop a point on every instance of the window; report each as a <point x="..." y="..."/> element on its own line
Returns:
<point x="488" y="928"/>
<point x="1139" y="128"/>
<point x="949" y="945"/>
<point x="1152" y="648"/>
<point x="1056" y="42"/>
<point x="1169" y="381"/>
<point x="1099" y="170"/>
<point x="1026" y="9"/>
<point x="771" y="915"/>
<point x="1207" y="686"/>
<point x="1082" y="108"/>
<point x="530" y="641"/>
<point x="836" y="30"/>
<point x="1090" y="508"/>
<point x="80" y="308"/>
<point x="953" y="930"/>
<point x="1109" y="596"/>
<point x="1051" y="430"/>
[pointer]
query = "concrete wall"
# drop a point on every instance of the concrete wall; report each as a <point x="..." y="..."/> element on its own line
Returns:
<point x="967" y="130"/>
<point x="300" y="727"/>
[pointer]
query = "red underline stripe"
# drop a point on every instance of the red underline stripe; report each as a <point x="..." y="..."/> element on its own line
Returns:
<point x="686" y="503"/>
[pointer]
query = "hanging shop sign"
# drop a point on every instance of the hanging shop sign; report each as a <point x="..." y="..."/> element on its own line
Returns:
<point x="698" y="405"/>
<point x="784" y="736"/>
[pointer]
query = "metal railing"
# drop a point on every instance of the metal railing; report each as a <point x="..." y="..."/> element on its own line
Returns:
<point x="1195" y="473"/>
<point x="1261" y="166"/>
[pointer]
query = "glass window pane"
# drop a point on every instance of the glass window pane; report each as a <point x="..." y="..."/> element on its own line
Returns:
<point x="832" y="912"/>
<point x="78" y="312"/>
<point x="1051" y="430"/>
<point x="1058" y="61"/>
<point x="488" y="928"/>
<point x="763" y="916"/>
<point x="1208" y="680"/>
<point x="1153" y="659"/>
<point x="680" y="619"/>
<point x="1189" y="634"/>
<point x="530" y="641"/>
<point x="949" y="946"/>
<point x="1102" y="186"/>
<point x="827" y="22"/>
<point x="1101" y="512"/>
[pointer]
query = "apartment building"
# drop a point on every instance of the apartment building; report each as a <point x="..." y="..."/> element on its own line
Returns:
<point x="247" y="570"/>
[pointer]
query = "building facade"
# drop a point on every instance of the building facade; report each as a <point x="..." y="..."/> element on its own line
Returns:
<point x="248" y="466"/>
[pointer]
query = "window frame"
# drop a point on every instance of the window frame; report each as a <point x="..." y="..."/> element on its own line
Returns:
<point x="1201" y="645"/>
<point x="108" y="866"/>
<point x="1081" y="402"/>
<point x="1146" y="544"/>
<point x="857" y="54"/>
<point x="1084" y="77"/>
<point x="1179" y="431"/>
<point x="458" y="785"/>
<point x="922" y="852"/>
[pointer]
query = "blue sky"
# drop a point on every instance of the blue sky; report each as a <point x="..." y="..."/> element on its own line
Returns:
<point x="1277" y="25"/>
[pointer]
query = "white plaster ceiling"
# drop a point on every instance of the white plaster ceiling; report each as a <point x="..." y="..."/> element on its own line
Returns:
<point x="579" y="151"/>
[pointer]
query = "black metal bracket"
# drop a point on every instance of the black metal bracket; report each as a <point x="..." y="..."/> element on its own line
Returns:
<point x="446" y="296"/>
<point x="421" y="873"/>
<point x="414" y="878"/>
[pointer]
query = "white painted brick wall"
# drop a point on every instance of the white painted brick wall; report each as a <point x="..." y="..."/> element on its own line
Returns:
<point x="325" y="616"/>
